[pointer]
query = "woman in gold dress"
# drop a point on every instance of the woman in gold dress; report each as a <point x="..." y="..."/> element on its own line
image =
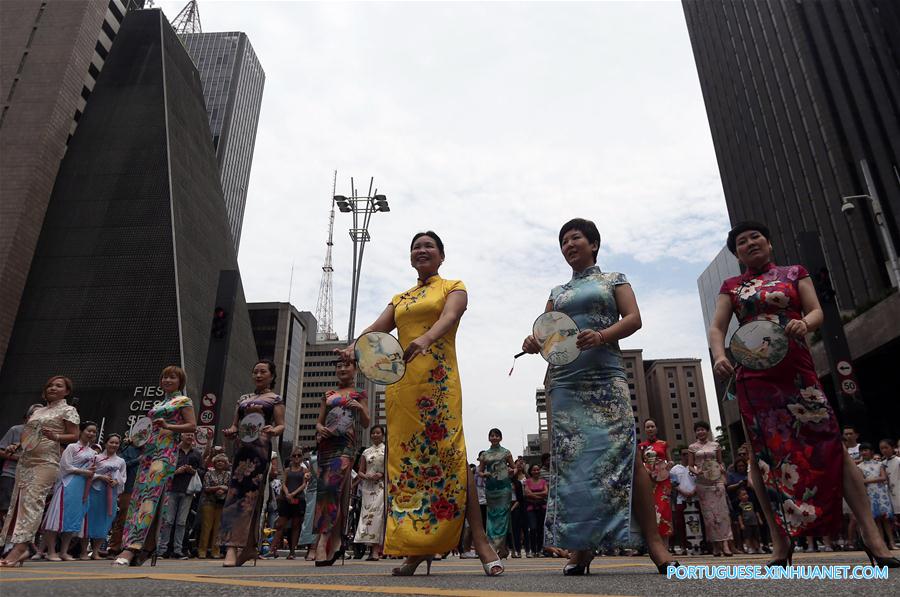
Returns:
<point x="428" y="479"/>
<point x="36" y="474"/>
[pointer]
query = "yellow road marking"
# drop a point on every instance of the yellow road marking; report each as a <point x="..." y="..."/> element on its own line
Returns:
<point x="232" y="581"/>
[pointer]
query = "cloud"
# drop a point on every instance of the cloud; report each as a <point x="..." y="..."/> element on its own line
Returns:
<point x="492" y="123"/>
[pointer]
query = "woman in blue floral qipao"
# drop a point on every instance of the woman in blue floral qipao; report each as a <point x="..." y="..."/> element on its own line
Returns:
<point x="595" y="480"/>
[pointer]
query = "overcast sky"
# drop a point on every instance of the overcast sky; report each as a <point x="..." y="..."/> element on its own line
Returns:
<point x="493" y="124"/>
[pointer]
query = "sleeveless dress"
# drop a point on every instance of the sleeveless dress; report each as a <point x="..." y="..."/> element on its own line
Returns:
<point x="792" y="427"/>
<point x="370" y="529"/>
<point x="246" y="490"/>
<point x="37" y="471"/>
<point x="427" y="471"/>
<point x="158" y="463"/>
<point x="337" y="454"/>
<point x="592" y="437"/>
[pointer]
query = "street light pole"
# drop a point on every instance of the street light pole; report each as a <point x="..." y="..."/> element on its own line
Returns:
<point x="362" y="208"/>
<point x="880" y="223"/>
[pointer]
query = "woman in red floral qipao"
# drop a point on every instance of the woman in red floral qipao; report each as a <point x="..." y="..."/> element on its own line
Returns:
<point x="800" y="466"/>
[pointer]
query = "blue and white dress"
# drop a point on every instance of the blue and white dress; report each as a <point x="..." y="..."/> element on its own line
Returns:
<point x="592" y="431"/>
<point x="879" y="493"/>
<point x="68" y="507"/>
<point x="103" y="502"/>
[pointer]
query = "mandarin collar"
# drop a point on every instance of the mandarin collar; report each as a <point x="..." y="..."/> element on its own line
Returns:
<point x="174" y="394"/>
<point x="594" y="269"/>
<point x="428" y="280"/>
<point x="752" y="272"/>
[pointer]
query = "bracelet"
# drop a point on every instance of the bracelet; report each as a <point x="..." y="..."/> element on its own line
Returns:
<point x="602" y="339"/>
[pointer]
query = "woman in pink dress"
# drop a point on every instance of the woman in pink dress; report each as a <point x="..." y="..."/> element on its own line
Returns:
<point x="705" y="461"/>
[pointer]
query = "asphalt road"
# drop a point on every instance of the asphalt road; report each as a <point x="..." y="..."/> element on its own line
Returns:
<point x="523" y="578"/>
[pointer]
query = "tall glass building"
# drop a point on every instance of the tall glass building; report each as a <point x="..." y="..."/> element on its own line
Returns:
<point x="233" y="81"/>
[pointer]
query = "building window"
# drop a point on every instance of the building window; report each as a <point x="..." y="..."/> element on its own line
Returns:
<point x="671" y="386"/>
<point x="676" y="416"/>
<point x="672" y="395"/>
<point x="631" y="386"/>
<point x="670" y="375"/>
<point x="692" y="394"/>
<point x="677" y="436"/>
<point x="677" y="425"/>
<point x="690" y="384"/>
<point x="693" y="405"/>
<point x="689" y="374"/>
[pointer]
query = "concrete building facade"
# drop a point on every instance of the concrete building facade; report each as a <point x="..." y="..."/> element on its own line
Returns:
<point x="120" y="286"/>
<point x="233" y="81"/>
<point x="676" y="398"/>
<point x="282" y="334"/>
<point x="51" y="54"/>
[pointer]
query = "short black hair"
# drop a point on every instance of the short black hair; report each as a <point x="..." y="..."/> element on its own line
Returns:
<point x="586" y="227"/>
<point x="702" y="425"/>
<point x="271" y="365"/>
<point x="429" y="233"/>
<point x="85" y="424"/>
<point x="865" y="446"/>
<point x="378" y="426"/>
<point x="496" y="431"/>
<point x="742" y="227"/>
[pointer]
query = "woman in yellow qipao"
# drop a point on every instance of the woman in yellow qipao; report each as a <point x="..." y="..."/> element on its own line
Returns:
<point x="428" y="478"/>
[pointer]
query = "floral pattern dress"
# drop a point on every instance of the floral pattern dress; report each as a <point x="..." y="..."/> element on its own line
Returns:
<point x="879" y="494"/>
<point x="36" y="472"/>
<point x="370" y="529"/>
<point x="792" y="427"/>
<point x="337" y="454"/>
<point x="246" y="491"/>
<point x="662" y="486"/>
<point x="498" y="492"/>
<point x="711" y="491"/>
<point x="158" y="462"/>
<point x="593" y="441"/>
<point x="427" y="473"/>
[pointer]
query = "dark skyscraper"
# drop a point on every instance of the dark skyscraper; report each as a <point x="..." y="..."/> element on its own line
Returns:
<point x="125" y="274"/>
<point x="51" y="54"/>
<point x="797" y="93"/>
<point x="233" y="83"/>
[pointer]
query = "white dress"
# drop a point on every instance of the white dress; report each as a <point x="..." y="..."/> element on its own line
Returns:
<point x="371" y="517"/>
<point x="892" y="467"/>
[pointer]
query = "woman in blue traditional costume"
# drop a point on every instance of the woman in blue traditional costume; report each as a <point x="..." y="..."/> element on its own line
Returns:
<point x="68" y="508"/>
<point x="596" y="483"/>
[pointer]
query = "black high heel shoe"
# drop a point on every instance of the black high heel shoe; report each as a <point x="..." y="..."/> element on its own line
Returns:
<point x="783" y="562"/>
<point x="338" y="554"/>
<point x="664" y="567"/>
<point x="578" y="569"/>
<point x="891" y="562"/>
<point x="141" y="556"/>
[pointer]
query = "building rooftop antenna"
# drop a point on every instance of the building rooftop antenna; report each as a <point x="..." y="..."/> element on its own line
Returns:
<point x="188" y="20"/>
<point x="325" y="303"/>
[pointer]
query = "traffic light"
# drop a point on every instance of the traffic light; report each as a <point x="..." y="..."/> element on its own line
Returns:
<point x="219" y="323"/>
